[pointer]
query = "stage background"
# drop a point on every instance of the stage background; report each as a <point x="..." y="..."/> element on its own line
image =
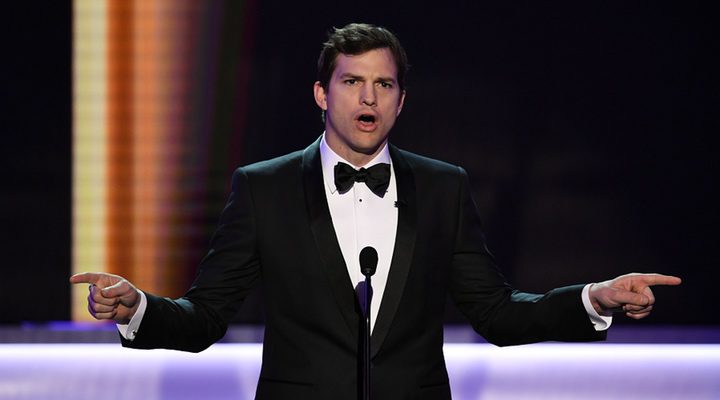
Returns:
<point x="588" y="130"/>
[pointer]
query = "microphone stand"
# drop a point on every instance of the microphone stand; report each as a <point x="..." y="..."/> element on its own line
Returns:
<point x="366" y="342"/>
<point x="368" y="265"/>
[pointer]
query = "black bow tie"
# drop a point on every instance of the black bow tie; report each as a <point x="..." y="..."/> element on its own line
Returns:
<point x="377" y="177"/>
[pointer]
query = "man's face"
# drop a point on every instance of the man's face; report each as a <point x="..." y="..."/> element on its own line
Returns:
<point x="361" y="104"/>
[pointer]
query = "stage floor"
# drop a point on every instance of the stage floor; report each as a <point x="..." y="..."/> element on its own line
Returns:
<point x="107" y="371"/>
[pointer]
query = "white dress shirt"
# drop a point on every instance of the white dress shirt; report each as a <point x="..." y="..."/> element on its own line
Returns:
<point x="361" y="218"/>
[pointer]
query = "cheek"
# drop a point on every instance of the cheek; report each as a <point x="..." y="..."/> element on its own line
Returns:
<point x="336" y="107"/>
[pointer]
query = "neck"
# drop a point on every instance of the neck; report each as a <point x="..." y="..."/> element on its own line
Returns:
<point x="358" y="158"/>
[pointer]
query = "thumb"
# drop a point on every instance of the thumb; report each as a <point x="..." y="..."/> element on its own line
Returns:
<point x="629" y="297"/>
<point x="119" y="289"/>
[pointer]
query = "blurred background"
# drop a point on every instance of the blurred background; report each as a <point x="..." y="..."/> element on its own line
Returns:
<point x="588" y="131"/>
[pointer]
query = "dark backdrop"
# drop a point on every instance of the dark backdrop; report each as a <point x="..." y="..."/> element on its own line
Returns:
<point x="588" y="132"/>
<point x="35" y="160"/>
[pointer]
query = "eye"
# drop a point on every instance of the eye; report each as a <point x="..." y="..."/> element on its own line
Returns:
<point x="385" y="85"/>
<point x="350" y="82"/>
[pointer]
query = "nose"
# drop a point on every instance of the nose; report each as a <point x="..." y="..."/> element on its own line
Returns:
<point x="367" y="97"/>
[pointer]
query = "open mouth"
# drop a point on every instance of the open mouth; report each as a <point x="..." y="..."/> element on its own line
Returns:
<point x="367" y="118"/>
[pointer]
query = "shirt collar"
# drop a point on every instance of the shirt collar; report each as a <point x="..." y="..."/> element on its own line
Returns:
<point x="329" y="159"/>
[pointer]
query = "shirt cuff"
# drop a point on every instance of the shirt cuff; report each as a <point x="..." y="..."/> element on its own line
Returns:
<point x="129" y="330"/>
<point x="601" y="323"/>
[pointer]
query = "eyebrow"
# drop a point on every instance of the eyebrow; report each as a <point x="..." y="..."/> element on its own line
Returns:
<point x="349" y="75"/>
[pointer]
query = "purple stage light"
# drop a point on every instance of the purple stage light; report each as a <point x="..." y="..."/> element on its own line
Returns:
<point x="477" y="371"/>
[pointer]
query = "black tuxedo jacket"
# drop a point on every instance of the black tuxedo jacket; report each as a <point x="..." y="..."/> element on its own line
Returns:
<point x="276" y="234"/>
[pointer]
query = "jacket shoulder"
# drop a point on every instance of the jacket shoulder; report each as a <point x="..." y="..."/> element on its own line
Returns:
<point x="426" y="165"/>
<point x="273" y="167"/>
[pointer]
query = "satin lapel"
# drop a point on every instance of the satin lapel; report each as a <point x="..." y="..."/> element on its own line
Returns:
<point x="403" y="252"/>
<point x="323" y="231"/>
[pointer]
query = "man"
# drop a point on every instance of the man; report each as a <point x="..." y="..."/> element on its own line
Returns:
<point x="294" y="226"/>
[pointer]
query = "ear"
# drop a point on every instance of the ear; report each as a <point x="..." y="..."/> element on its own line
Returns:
<point x="400" y="103"/>
<point x="320" y="96"/>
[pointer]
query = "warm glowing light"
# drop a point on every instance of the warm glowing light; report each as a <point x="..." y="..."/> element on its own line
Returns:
<point x="89" y="144"/>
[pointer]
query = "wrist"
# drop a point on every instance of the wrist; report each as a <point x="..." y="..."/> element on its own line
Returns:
<point x="595" y="302"/>
<point x="125" y="313"/>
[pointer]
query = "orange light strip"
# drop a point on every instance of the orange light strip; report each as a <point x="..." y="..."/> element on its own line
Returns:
<point x="120" y="202"/>
<point x="149" y="109"/>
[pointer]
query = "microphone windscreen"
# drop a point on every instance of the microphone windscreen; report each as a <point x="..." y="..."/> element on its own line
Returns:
<point x="368" y="261"/>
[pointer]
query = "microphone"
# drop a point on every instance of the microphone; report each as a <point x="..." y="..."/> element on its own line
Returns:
<point x="368" y="261"/>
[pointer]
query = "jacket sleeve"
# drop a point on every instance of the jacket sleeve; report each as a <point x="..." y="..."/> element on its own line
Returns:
<point x="501" y="314"/>
<point x="225" y="276"/>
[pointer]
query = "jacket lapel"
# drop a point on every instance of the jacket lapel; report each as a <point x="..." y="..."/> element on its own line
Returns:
<point x="403" y="252"/>
<point x="325" y="238"/>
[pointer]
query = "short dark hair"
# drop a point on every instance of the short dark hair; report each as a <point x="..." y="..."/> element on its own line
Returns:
<point x="354" y="39"/>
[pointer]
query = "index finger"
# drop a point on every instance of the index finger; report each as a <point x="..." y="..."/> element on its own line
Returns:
<point x="659" y="279"/>
<point x="86" y="277"/>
